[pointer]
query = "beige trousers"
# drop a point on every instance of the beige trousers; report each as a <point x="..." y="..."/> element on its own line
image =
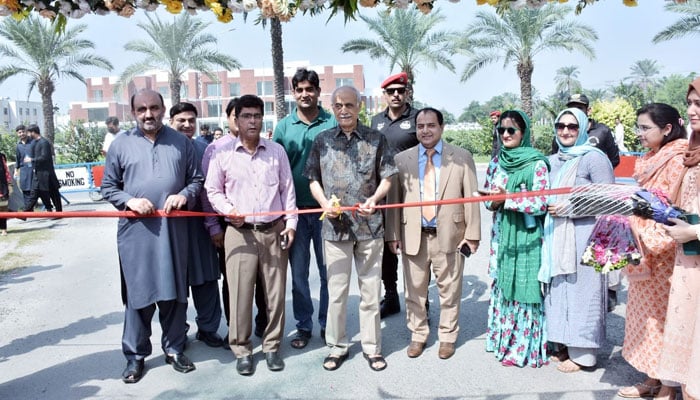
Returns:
<point x="339" y="256"/>
<point x="248" y="252"/>
<point x="448" y="269"/>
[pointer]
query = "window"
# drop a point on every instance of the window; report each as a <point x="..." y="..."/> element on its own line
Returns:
<point x="5" y="111"/>
<point x="34" y="112"/>
<point x="213" y="90"/>
<point x="97" y="95"/>
<point x="267" y="126"/>
<point x="265" y="88"/>
<point x="234" y="89"/>
<point x="214" y="108"/>
<point x="164" y="91"/>
<point x="269" y="107"/>
<point x="26" y="110"/>
<point x="344" y="82"/>
<point x="290" y="106"/>
<point x="97" y="114"/>
<point x="20" y="110"/>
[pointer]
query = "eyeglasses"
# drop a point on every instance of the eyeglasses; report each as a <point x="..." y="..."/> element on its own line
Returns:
<point x="510" y="130"/>
<point x="399" y="90"/>
<point x="570" y="127"/>
<point x="251" y="116"/>
<point x="642" y="129"/>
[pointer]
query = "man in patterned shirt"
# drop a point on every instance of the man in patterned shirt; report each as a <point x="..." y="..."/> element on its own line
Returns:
<point x="353" y="163"/>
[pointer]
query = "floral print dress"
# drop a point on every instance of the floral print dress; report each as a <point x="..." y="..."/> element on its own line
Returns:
<point x="516" y="332"/>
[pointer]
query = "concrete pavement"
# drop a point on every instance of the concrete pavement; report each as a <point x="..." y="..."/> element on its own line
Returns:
<point x="62" y="320"/>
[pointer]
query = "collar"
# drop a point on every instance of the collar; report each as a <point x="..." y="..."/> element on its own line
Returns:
<point x="406" y="113"/>
<point x="438" y="148"/>
<point x="322" y="116"/>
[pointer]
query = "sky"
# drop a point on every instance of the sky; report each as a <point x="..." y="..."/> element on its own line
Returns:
<point x="624" y="33"/>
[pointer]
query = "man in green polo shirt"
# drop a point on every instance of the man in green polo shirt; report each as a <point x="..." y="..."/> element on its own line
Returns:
<point x="296" y="133"/>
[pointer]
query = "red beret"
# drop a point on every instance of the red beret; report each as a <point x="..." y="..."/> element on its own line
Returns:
<point x="401" y="78"/>
<point x="495" y="113"/>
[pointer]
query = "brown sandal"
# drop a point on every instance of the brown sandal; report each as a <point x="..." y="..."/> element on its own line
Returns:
<point x="638" y="390"/>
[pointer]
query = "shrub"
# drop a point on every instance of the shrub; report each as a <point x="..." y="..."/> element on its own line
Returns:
<point x="78" y="144"/>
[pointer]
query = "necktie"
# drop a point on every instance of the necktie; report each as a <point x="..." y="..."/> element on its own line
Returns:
<point x="429" y="186"/>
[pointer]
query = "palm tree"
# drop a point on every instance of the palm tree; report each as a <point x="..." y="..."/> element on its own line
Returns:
<point x="37" y="49"/>
<point x="278" y="67"/>
<point x="644" y="76"/>
<point x="688" y="25"/>
<point x="406" y="40"/>
<point x="566" y="80"/>
<point x="517" y="36"/>
<point x="176" y="47"/>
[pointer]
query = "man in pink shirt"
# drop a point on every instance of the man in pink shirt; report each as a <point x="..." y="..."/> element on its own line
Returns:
<point x="252" y="175"/>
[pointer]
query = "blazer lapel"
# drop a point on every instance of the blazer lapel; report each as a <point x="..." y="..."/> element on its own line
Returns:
<point x="445" y="168"/>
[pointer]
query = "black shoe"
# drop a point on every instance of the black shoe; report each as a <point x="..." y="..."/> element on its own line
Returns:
<point x="133" y="371"/>
<point x="211" y="339"/>
<point x="390" y="305"/>
<point x="301" y="339"/>
<point x="274" y="361"/>
<point x="180" y="363"/>
<point x="225" y="345"/>
<point x="260" y="330"/>
<point x="245" y="366"/>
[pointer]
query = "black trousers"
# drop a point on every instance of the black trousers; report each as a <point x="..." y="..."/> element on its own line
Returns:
<point x="136" y="338"/>
<point x="390" y="269"/>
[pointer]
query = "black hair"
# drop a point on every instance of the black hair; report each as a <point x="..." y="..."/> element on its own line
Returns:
<point x="231" y="106"/>
<point x="437" y="113"/>
<point x="34" y="128"/>
<point x="20" y="128"/>
<point x="515" y="116"/>
<point x="183" y="107"/>
<point x="304" y="74"/>
<point x="112" y="121"/>
<point x="249" y="101"/>
<point x="662" y="114"/>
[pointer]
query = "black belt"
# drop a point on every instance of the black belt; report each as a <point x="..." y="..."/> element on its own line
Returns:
<point x="258" y="227"/>
<point x="429" y="229"/>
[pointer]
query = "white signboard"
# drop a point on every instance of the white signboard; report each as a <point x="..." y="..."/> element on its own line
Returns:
<point x="73" y="178"/>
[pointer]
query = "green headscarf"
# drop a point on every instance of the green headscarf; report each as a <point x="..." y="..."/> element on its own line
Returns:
<point x="519" y="251"/>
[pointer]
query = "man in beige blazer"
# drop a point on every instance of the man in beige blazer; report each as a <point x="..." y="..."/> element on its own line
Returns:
<point x="431" y="236"/>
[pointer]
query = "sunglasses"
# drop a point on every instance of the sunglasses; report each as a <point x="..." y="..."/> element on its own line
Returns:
<point x="399" y="90"/>
<point x="570" y="127"/>
<point x="510" y="130"/>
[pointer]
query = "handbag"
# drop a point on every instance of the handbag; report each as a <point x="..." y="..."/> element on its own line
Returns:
<point x="612" y="245"/>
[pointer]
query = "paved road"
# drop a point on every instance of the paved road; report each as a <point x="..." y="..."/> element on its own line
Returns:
<point x="62" y="321"/>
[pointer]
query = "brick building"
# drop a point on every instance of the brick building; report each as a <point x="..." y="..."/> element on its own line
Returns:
<point x="211" y="96"/>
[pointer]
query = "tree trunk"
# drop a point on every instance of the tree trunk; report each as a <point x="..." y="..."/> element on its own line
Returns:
<point x="525" y="69"/>
<point x="278" y="67"/>
<point x="175" y="90"/>
<point x="46" y="88"/>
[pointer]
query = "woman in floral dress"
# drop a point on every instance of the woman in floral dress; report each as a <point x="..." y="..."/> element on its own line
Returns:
<point x="680" y="352"/>
<point x="516" y="330"/>
<point x="575" y="300"/>
<point x="659" y="129"/>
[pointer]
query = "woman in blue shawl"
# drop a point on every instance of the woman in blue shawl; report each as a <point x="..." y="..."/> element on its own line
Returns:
<point x="515" y="331"/>
<point x="575" y="299"/>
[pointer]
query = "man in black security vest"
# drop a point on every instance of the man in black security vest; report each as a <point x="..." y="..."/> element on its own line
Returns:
<point x="397" y="123"/>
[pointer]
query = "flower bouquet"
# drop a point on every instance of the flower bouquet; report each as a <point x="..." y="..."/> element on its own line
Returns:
<point x="612" y="245"/>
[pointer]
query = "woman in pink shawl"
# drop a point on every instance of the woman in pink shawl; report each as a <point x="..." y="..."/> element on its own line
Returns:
<point x="680" y="352"/>
<point x="659" y="129"/>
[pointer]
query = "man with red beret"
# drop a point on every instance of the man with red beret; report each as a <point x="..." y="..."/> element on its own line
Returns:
<point x="397" y="123"/>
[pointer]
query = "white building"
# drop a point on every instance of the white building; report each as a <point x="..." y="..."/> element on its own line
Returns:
<point x="16" y="112"/>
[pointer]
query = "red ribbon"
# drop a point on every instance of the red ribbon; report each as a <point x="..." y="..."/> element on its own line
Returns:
<point x="354" y="208"/>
